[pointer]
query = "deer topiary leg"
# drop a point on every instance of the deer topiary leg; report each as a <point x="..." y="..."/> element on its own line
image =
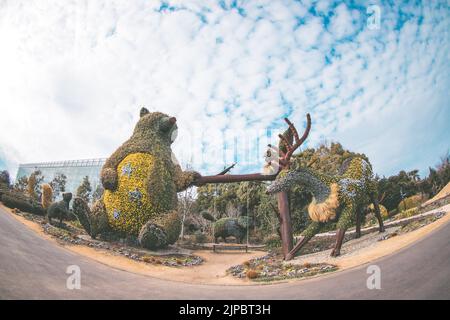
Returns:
<point x="345" y="221"/>
<point x="359" y="217"/>
<point x="377" y="212"/>
<point x="309" y="232"/>
<point x="159" y="232"/>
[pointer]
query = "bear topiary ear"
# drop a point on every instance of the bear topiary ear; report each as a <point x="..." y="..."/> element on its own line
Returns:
<point x="143" y="112"/>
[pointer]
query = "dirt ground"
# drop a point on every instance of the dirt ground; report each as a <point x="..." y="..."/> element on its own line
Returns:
<point x="213" y="270"/>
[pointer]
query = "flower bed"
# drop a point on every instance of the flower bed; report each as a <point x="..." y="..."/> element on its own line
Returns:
<point x="70" y="233"/>
<point x="271" y="267"/>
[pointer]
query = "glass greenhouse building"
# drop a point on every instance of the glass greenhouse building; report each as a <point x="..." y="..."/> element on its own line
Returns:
<point x="75" y="171"/>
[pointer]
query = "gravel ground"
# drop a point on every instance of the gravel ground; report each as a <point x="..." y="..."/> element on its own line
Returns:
<point x="353" y="247"/>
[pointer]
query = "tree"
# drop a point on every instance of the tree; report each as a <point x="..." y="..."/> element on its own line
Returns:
<point x="4" y="178"/>
<point x="21" y="184"/>
<point x="404" y="184"/>
<point x="58" y="184"/>
<point x="84" y="190"/>
<point x="218" y="198"/>
<point x="186" y="201"/>
<point x="98" y="193"/>
<point x="267" y="214"/>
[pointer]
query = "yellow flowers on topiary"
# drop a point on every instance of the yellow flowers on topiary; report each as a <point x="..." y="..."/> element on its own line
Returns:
<point x="130" y="206"/>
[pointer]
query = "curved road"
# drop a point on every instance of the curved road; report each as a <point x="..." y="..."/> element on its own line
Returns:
<point x="34" y="268"/>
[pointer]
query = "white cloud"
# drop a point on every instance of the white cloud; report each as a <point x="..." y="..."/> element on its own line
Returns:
<point x="74" y="76"/>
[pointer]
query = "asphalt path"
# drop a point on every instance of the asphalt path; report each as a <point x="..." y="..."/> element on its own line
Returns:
<point x="32" y="267"/>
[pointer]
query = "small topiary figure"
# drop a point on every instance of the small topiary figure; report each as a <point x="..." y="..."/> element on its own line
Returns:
<point x="141" y="181"/>
<point x="60" y="209"/>
<point x="228" y="227"/>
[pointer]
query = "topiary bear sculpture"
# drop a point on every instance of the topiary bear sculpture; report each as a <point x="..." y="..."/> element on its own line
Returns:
<point x="229" y="227"/>
<point x="141" y="180"/>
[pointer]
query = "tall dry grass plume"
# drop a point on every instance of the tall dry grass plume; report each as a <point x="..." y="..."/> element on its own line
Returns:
<point x="47" y="195"/>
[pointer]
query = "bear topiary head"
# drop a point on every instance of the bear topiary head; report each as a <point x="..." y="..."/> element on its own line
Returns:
<point x="156" y="125"/>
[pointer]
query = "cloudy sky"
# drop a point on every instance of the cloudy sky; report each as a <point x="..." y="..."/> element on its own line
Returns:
<point x="74" y="74"/>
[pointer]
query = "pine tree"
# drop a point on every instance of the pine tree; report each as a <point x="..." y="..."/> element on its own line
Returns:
<point x="58" y="184"/>
<point x="98" y="193"/>
<point x="21" y="184"/>
<point x="84" y="190"/>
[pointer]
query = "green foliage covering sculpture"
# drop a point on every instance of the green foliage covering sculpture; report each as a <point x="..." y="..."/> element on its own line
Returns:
<point x="229" y="227"/>
<point x="60" y="209"/>
<point x="341" y="198"/>
<point x="140" y="181"/>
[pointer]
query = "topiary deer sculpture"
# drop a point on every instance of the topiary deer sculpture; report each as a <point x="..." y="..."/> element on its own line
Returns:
<point x="342" y="198"/>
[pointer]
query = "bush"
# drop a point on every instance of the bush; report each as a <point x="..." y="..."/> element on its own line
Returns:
<point x="410" y="202"/>
<point x="199" y="237"/>
<point x="408" y="213"/>
<point x="13" y="199"/>
<point x="383" y="211"/>
<point x="256" y="236"/>
<point x="252" y="274"/>
<point x="4" y="188"/>
<point x="272" y="241"/>
<point x="4" y="178"/>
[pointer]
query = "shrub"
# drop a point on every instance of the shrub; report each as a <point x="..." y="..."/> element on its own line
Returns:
<point x="3" y="189"/>
<point x="252" y="274"/>
<point x="257" y="236"/>
<point x="199" y="237"/>
<point x="408" y="213"/>
<point x="13" y="199"/>
<point x="272" y="241"/>
<point x="410" y="202"/>
<point x="148" y="259"/>
<point x="383" y="210"/>
<point x="4" y="178"/>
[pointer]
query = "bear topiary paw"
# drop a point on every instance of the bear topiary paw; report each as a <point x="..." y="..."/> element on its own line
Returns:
<point x="152" y="236"/>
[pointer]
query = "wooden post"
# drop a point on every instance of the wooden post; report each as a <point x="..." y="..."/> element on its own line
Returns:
<point x="285" y="223"/>
<point x="230" y="178"/>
